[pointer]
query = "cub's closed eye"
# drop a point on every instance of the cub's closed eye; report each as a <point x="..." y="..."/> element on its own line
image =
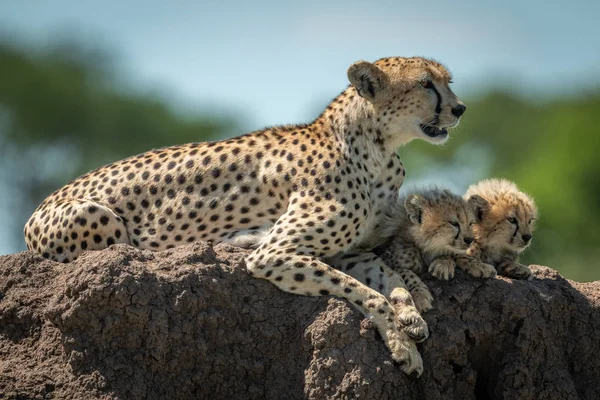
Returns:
<point x="512" y="220"/>
<point x="427" y="84"/>
<point x="453" y="223"/>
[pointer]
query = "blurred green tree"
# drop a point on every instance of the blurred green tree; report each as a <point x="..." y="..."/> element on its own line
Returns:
<point x="64" y="112"/>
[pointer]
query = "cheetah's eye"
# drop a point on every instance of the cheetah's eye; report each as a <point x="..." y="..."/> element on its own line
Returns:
<point x="531" y="220"/>
<point x="453" y="223"/>
<point x="426" y="83"/>
<point x="512" y="220"/>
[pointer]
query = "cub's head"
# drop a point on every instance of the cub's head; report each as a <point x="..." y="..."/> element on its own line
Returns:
<point x="505" y="218"/>
<point x="441" y="222"/>
<point x="411" y="97"/>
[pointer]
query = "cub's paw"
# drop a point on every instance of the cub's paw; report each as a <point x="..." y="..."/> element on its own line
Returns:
<point x="422" y="298"/>
<point x="516" y="271"/>
<point x="482" y="270"/>
<point x="442" y="269"/>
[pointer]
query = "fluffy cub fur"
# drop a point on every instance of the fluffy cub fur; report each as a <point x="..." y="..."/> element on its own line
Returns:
<point x="504" y="225"/>
<point x="431" y="228"/>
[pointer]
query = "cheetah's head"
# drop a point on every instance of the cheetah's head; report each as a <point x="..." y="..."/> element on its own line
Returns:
<point x="442" y="222"/>
<point x="505" y="215"/>
<point x="411" y="97"/>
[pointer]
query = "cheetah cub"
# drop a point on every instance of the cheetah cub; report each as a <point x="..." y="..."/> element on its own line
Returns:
<point x="432" y="228"/>
<point x="505" y="222"/>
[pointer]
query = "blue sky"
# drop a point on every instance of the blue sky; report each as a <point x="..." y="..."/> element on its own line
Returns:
<point x="278" y="62"/>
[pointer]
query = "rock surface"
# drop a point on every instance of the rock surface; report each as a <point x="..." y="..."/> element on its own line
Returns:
<point x="189" y="323"/>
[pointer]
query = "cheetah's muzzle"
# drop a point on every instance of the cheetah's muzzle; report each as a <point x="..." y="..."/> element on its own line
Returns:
<point x="432" y="131"/>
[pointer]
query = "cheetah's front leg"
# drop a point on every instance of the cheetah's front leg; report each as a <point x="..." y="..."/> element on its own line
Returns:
<point x="513" y="269"/>
<point x="442" y="267"/>
<point x="418" y="290"/>
<point x="475" y="267"/>
<point x="402" y="255"/>
<point x="295" y="270"/>
<point x="373" y="272"/>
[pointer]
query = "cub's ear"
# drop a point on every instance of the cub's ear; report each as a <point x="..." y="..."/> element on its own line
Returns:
<point x="414" y="207"/>
<point x="479" y="205"/>
<point x="367" y="78"/>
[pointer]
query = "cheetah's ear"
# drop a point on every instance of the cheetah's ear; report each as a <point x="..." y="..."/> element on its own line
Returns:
<point x="414" y="207"/>
<point x="479" y="205"/>
<point x="367" y="78"/>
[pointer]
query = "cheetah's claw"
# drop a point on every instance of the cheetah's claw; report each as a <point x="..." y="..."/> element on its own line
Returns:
<point x="517" y="271"/>
<point x="413" y="324"/>
<point x="405" y="353"/>
<point x="442" y="269"/>
<point x="422" y="299"/>
<point x="482" y="270"/>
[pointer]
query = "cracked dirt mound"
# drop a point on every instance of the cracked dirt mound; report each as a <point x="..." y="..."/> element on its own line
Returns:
<point x="190" y="323"/>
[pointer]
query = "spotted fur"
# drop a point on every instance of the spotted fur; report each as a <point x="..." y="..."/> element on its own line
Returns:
<point x="317" y="188"/>
<point x="428" y="230"/>
<point x="505" y="223"/>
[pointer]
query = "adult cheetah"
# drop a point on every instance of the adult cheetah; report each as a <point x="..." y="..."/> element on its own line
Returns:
<point x="320" y="187"/>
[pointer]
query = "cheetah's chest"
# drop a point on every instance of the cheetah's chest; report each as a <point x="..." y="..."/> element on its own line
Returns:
<point x="383" y="191"/>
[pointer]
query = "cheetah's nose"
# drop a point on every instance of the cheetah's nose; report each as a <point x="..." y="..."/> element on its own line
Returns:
<point x="459" y="110"/>
<point x="468" y="240"/>
<point x="526" y="237"/>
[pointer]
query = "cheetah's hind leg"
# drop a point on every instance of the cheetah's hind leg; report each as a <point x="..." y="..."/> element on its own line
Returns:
<point x="62" y="230"/>
<point x="248" y="238"/>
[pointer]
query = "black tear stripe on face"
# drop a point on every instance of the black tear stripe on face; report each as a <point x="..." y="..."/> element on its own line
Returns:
<point x="457" y="226"/>
<point x="516" y="229"/>
<point x="438" y="106"/>
<point x="479" y="214"/>
<point x="370" y="87"/>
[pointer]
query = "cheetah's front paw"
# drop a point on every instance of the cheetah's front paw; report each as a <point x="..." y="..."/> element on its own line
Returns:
<point x="407" y="316"/>
<point x="404" y="352"/>
<point x="412" y="323"/>
<point x="516" y="271"/>
<point x="422" y="298"/>
<point x="442" y="269"/>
